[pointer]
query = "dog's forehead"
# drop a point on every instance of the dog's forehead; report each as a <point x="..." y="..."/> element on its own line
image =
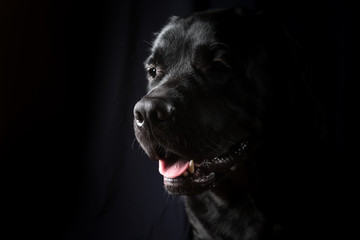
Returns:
<point x="194" y="30"/>
<point x="182" y="36"/>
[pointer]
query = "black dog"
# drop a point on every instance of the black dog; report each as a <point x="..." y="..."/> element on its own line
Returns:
<point x="231" y="122"/>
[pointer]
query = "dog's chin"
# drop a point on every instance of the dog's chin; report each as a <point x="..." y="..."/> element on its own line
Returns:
<point x="202" y="175"/>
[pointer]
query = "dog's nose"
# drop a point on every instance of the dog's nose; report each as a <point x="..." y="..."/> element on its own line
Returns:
<point x="152" y="111"/>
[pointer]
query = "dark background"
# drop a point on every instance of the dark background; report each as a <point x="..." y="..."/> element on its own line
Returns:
<point x="71" y="72"/>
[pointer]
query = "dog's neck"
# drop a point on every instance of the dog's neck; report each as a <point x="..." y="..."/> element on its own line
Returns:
<point x="225" y="212"/>
<point x="213" y="217"/>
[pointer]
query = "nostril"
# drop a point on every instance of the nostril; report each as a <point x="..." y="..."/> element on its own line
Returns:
<point x="139" y="113"/>
<point x="139" y="119"/>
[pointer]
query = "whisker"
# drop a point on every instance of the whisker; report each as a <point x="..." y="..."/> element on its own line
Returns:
<point x="147" y="42"/>
<point x="132" y="144"/>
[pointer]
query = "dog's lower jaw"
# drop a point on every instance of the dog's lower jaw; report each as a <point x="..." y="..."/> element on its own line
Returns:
<point x="215" y="217"/>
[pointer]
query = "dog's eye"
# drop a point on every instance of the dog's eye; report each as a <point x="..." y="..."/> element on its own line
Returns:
<point x="152" y="72"/>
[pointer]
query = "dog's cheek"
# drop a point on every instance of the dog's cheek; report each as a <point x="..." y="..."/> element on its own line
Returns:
<point x="214" y="117"/>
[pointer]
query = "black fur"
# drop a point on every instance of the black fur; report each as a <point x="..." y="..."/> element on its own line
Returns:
<point x="222" y="78"/>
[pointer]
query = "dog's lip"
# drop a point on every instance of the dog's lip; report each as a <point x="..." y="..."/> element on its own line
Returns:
<point x="205" y="173"/>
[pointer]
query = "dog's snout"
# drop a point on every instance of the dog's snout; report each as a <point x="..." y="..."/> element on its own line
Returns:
<point x="152" y="111"/>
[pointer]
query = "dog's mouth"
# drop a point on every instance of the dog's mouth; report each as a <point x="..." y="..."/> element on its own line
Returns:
<point x="189" y="176"/>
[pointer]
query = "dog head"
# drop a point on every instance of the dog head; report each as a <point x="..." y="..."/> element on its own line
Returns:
<point x="211" y="85"/>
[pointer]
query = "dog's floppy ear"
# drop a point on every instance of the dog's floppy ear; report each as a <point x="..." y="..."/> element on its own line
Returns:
<point x="280" y="63"/>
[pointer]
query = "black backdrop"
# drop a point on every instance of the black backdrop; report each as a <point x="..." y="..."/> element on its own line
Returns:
<point x="71" y="72"/>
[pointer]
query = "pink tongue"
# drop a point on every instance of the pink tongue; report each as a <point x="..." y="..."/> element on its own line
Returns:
<point x="172" y="169"/>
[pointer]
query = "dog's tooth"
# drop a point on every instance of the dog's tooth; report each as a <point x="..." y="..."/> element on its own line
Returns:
<point x="191" y="167"/>
<point x="185" y="174"/>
